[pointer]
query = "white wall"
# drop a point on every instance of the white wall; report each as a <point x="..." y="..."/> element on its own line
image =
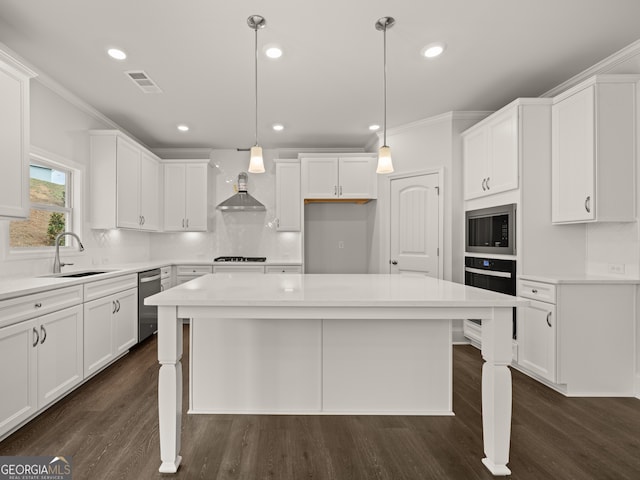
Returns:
<point x="234" y="233"/>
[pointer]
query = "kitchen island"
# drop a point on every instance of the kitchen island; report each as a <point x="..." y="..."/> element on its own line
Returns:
<point x="328" y="344"/>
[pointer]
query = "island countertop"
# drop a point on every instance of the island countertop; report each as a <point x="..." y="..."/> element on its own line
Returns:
<point x="328" y="290"/>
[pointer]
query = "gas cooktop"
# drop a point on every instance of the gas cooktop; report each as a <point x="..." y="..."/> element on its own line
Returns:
<point x="240" y="259"/>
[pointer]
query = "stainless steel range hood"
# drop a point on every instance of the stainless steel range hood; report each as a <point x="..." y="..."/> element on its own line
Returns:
<point x="241" y="201"/>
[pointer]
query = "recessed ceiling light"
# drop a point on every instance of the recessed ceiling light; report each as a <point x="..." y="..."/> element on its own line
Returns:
<point x="374" y="127"/>
<point x="278" y="127"/>
<point x="433" y="50"/>
<point x="273" y="52"/>
<point x="183" y="128"/>
<point x="117" y="54"/>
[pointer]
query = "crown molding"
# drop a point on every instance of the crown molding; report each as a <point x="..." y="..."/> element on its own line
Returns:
<point x="187" y="153"/>
<point x="604" y="66"/>
<point x="445" y="117"/>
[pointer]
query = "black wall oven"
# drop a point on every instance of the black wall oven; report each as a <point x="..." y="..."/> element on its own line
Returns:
<point x="493" y="274"/>
<point x="491" y="230"/>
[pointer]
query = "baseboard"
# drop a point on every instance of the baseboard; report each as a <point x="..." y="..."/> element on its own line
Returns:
<point x="637" y="387"/>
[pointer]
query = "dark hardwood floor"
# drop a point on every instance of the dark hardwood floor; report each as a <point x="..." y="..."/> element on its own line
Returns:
<point x="109" y="427"/>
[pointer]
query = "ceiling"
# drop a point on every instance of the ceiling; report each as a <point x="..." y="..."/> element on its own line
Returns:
<point x="327" y="88"/>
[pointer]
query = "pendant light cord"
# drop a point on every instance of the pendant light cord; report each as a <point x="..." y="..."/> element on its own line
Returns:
<point x="384" y="36"/>
<point x="256" y="90"/>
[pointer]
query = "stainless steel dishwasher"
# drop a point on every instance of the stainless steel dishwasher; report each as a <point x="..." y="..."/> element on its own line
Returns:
<point x="148" y="284"/>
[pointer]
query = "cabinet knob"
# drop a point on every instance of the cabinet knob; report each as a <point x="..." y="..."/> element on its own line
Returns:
<point x="394" y="262"/>
<point x="549" y="318"/>
<point x="36" y="337"/>
<point x="487" y="183"/>
<point x="44" y="334"/>
<point x="335" y="190"/>
<point x="534" y="290"/>
<point x="484" y="188"/>
<point x="587" y="204"/>
<point x="37" y="305"/>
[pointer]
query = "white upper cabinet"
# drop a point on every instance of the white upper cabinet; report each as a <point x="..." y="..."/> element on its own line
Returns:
<point x="593" y="151"/>
<point x="14" y="137"/>
<point x="125" y="183"/>
<point x="288" y="199"/>
<point x="339" y="177"/>
<point x="490" y="154"/>
<point x="186" y="195"/>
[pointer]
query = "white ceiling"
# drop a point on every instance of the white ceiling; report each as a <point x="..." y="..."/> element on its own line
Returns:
<point x="327" y="87"/>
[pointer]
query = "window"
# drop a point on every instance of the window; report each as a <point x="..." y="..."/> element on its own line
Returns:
<point x="51" y="208"/>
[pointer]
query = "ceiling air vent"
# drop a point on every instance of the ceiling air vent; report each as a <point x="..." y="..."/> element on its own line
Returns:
<point x="143" y="81"/>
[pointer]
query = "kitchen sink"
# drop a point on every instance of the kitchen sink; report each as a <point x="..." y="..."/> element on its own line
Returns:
<point x="86" y="273"/>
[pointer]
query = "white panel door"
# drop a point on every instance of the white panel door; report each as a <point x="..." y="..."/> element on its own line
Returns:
<point x="125" y="321"/>
<point x="474" y="153"/>
<point x="357" y="177"/>
<point x="502" y="172"/>
<point x="196" y="197"/>
<point x="149" y="192"/>
<point x="18" y="373"/>
<point x="320" y="177"/>
<point x="415" y="225"/>
<point x="128" y="185"/>
<point x="288" y="201"/>
<point x="537" y="339"/>
<point x="60" y="353"/>
<point x="98" y="334"/>
<point x="573" y="158"/>
<point x="174" y="197"/>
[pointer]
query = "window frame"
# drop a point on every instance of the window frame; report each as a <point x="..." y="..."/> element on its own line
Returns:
<point x="74" y="192"/>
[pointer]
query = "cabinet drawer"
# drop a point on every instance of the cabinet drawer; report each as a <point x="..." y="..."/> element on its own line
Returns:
<point x="238" y="269"/>
<point x="544" y="292"/>
<point x="165" y="272"/>
<point x="102" y="288"/>
<point x="283" y="269"/>
<point x="194" y="269"/>
<point x="37" y="304"/>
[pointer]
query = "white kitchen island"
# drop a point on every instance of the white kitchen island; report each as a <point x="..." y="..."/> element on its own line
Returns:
<point x="328" y="344"/>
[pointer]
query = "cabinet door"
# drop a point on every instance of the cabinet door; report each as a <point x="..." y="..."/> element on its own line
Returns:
<point x="537" y="339"/>
<point x="125" y="321"/>
<point x="502" y="161"/>
<point x="474" y="154"/>
<point x="357" y="177"/>
<point x="98" y="343"/>
<point x="196" y="181"/>
<point x="128" y="185"/>
<point x="320" y="177"/>
<point x="149" y="192"/>
<point x="14" y="143"/>
<point x="573" y="158"/>
<point x="174" y="197"/>
<point x="18" y="373"/>
<point x="60" y="353"/>
<point x="288" y="201"/>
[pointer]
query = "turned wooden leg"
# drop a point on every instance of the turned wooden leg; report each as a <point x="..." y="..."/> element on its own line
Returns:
<point x="169" y="388"/>
<point x="496" y="390"/>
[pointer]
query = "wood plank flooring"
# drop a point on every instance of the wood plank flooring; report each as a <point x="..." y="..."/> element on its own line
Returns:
<point x="109" y="427"/>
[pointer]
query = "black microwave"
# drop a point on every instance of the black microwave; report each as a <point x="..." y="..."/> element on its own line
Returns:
<point x="491" y="230"/>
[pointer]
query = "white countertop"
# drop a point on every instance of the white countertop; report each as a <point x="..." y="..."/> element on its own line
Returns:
<point x="328" y="290"/>
<point x="581" y="279"/>
<point x="16" y="287"/>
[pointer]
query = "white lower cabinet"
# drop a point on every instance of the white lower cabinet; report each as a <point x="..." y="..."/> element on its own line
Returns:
<point x="110" y="321"/>
<point x="185" y="273"/>
<point x="537" y="339"/>
<point x="577" y="335"/>
<point x="40" y="360"/>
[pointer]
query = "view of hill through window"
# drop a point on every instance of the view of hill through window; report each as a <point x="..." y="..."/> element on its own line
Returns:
<point x="49" y="212"/>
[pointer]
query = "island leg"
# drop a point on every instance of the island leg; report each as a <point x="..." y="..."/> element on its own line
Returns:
<point x="169" y="388"/>
<point x="496" y="390"/>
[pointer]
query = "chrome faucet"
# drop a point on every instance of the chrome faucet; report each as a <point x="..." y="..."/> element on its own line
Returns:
<point x="57" y="266"/>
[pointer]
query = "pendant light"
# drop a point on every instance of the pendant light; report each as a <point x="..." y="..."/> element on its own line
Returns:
<point x="384" y="153"/>
<point x="256" y="164"/>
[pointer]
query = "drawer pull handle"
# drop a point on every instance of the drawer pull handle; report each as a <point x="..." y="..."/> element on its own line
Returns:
<point x="548" y="318"/>
<point x="44" y="334"/>
<point x="36" y="337"/>
<point x="534" y="290"/>
<point x="38" y="305"/>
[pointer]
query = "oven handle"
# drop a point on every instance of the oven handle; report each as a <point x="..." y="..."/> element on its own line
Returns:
<point x="489" y="273"/>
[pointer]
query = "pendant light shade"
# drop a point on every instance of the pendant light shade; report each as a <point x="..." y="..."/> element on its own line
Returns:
<point x="256" y="163"/>
<point x="385" y="165"/>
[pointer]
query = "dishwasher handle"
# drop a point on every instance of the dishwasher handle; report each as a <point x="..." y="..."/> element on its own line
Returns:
<point x="149" y="279"/>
